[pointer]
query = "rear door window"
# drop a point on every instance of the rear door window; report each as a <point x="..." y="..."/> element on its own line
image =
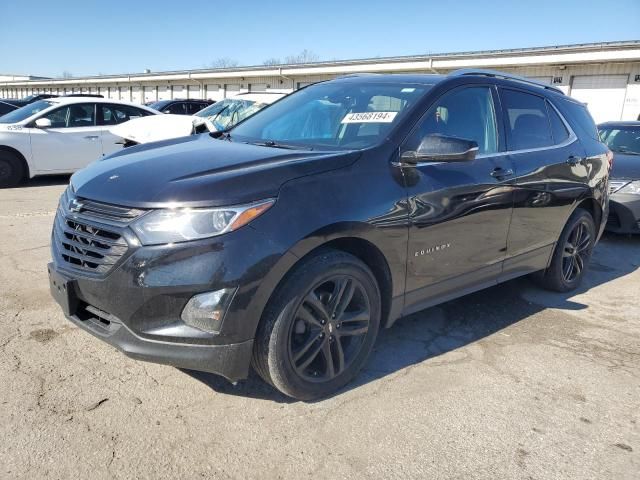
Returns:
<point x="194" y="107"/>
<point x="526" y="119"/>
<point x="176" y="109"/>
<point x="558" y="128"/>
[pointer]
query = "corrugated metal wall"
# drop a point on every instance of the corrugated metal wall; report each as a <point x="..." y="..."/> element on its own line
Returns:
<point x="219" y="88"/>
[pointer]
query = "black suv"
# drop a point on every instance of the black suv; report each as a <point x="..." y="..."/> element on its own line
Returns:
<point x="179" y="106"/>
<point x="288" y="241"/>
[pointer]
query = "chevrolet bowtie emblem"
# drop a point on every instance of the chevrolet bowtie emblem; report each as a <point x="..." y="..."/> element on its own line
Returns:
<point x="75" y="205"/>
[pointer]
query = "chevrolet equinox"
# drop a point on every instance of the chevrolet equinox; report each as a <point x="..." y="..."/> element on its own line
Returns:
<point x="288" y="241"/>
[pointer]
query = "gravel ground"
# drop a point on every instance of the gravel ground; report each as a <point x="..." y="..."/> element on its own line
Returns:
<point x="511" y="382"/>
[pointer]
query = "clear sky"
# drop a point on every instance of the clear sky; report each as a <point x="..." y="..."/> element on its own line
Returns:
<point x="90" y="37"/>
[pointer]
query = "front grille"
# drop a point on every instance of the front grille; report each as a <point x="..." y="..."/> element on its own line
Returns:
<point x="109" y="212"/>
<point x="88" y="235"/>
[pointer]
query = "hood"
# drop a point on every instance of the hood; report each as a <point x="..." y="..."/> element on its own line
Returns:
<point x="625" y="167"/>
<point x="198" y="171"/>
<point x="154" y="128"/>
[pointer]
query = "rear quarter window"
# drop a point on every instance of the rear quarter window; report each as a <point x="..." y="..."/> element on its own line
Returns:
<point x="580" y="118"/>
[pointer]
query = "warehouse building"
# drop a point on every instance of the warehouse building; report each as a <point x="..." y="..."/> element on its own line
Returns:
<point x="605" y="76"/>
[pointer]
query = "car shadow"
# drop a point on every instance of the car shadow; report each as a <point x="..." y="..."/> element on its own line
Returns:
<point x="435" y="331"/>
<point x="46" y="181"/>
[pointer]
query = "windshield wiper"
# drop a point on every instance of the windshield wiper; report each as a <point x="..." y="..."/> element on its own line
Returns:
<point x="272" y="144"/>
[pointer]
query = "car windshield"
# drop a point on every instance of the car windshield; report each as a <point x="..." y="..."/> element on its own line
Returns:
<point x="228" y="112"/>
<point x="158" y="105"/>
<point x="341" y="115"/>
<point x="622" y="139"/>
<point x="25" y="112"/>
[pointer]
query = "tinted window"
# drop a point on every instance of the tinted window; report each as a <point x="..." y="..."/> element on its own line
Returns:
<point x="466" y="113"/>
<point x="159" y="105"/>
<point x="176" y="109"/>
<point x="558" y="129"/>
<point x="526" y="120"/>
<point x="121" y="113"/>
<point x="6" y="108"/>
<point x="582" y="118"/>
<point x="194" y="107"/>
<point x="72" y="116"/>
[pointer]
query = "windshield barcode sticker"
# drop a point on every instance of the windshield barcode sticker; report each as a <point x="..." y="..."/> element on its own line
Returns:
<point x="369" y="117"/>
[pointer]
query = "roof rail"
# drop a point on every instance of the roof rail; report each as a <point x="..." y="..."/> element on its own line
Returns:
<point x="507" y="76"/>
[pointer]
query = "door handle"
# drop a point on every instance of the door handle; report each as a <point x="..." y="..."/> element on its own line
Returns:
<point x="92" y="137"/>
<point x="573" y="160"/>
<point x="501" y="172"/>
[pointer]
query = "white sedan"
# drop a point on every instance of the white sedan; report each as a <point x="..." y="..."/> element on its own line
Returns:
<point x="60" y="135"/>
<point x="219" y="116"/>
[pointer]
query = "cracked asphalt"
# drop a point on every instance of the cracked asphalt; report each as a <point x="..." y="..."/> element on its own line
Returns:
<point x="511" y="382"/>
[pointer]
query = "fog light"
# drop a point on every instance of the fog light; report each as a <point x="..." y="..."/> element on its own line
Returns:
<point x="206" y="311"/>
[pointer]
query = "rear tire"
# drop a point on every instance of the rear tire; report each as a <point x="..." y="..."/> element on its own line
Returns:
<point x="319" y="327"/>
<point x="571" y="255"/>
<point x="12" y="170"/>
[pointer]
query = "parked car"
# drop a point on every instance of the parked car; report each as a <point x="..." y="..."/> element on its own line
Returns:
<point x="623" y="138"/>
<point x="94" y="95"/>
<point x="217" y="117"/>
<point x="180" y="106"/>
<point x="59" y="135"/>
<point x="291" y="239"/>
<point x="6" y="108"/>
<point x="30" y="99"/>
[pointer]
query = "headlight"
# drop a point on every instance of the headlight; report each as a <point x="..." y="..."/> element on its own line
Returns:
<point x="183" y="224"/>
<point x="631" y="187"/>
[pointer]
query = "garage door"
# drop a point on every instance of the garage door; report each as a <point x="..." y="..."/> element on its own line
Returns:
<point x="150" y="94"/>
<point x="232" y="90"/>
<point x="603" y="94"/>
<point x="546" y="80"/>
<point x="194" y="91"/>
<point x="164" y="93"/>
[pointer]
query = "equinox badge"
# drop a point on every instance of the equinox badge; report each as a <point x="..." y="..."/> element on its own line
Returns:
<point x="430" y="250"/>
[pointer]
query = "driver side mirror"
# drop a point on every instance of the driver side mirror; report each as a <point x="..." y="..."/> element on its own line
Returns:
<point x="43" y="123"/>
<point x="442" y="148"/>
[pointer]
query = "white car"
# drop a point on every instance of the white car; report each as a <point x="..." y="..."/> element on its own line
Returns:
<point x="60" y="135"/>
<point x="219" y="116"/>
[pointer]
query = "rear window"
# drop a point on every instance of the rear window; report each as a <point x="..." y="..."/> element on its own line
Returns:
<point x="581" y="118"/>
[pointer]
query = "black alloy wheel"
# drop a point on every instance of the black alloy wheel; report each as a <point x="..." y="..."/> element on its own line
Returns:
<point x="576" y="252"/>
<point x="319" y="327"/>
<point x="571" y="255"/>
<point x="329" y="328"/>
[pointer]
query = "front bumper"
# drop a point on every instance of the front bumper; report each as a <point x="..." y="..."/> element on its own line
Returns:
<point x="136" y="304"/>
<point x="229" y="360"/>
<point x="624" y="213"/>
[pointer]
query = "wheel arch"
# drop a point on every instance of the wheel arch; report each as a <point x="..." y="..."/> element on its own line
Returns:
<point x="357" y="246"/>
<point x="21" y="157"/>
<point x="592" y="206"/>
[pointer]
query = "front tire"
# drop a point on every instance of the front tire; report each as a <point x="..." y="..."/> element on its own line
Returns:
<point x="319" y="327"/>
<point x="12" y="170"/>
<point x="572" y="254"/>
